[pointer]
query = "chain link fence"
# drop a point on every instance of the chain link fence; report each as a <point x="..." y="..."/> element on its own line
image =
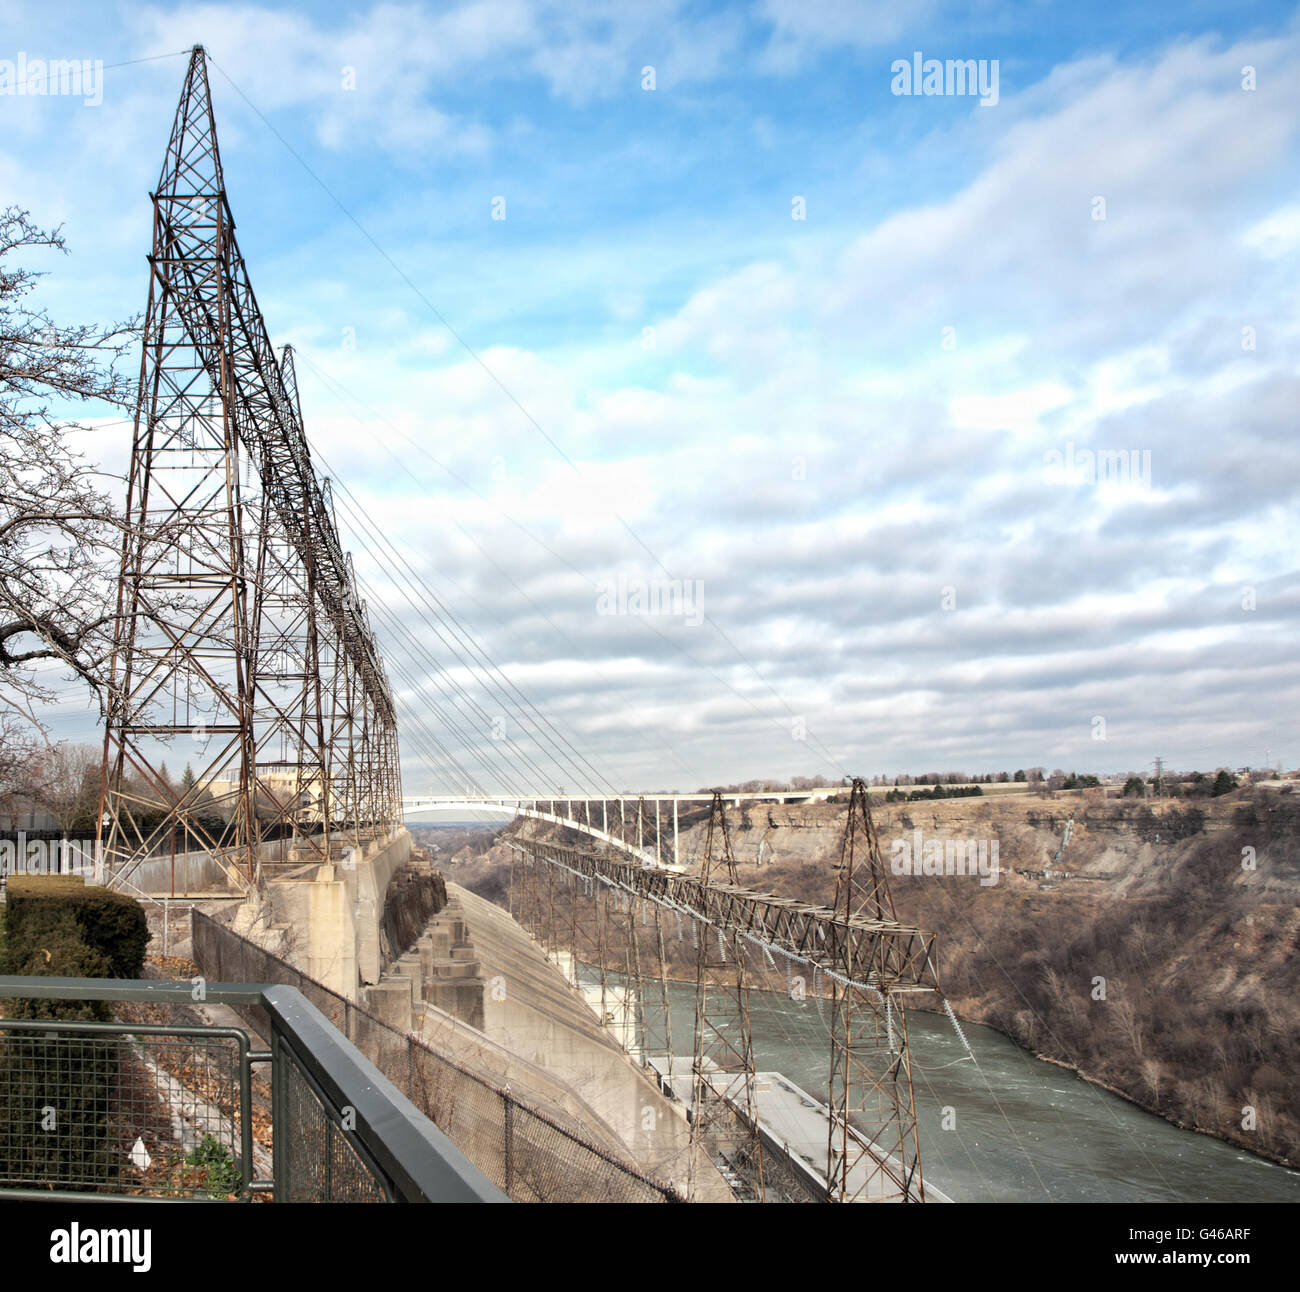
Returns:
<point x="525" y="1153"/>
<point x="123" y="1109"/>
<point x="316" y="1162"/>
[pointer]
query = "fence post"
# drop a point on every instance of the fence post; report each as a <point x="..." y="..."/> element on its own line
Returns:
<point x="279" y="1140"/>
<point x="508" y="1121"/>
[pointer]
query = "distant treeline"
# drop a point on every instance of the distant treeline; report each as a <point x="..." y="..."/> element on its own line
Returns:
<point x="938" y="792"/>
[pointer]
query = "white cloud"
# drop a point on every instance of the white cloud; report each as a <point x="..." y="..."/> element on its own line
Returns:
<point x="1018" y="411"/>
<point x="800" y="439"/>
<point x="1277" y="235"/>
<point x="800" y="30"/>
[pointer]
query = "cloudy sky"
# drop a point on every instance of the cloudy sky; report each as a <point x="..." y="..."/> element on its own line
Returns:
<point x="584" y="292"/>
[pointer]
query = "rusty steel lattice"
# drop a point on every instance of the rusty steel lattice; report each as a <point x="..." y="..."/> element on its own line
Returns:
<point x="724" y="1116"/>
<point x="240" y="629"/>
<point x="872" y="1150"/>
<point x="859" y="954"/>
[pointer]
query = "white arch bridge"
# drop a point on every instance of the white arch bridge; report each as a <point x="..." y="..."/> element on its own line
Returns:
<point x="647" y="827"/>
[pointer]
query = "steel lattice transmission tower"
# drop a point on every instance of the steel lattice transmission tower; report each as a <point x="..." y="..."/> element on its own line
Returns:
<point x="872" y="1150"/>
<point x="241" y="636"/>
<point x="724" y="1112"/>
<point x="875" y="964"/>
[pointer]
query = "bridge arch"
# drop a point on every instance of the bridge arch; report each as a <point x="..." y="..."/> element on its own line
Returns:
<point x="527" y="808"/>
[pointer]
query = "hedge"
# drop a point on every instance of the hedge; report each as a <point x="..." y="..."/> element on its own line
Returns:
<point x="58" y="1094"/>
<point x="56" y="926"/>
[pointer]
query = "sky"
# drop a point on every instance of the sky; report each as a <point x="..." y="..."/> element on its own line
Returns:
<point x="965" y="423"/>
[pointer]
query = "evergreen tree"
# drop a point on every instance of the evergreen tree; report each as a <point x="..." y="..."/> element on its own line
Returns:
<point x="1224" y="783"/>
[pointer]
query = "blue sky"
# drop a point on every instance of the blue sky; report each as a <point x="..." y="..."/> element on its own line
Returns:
<point x="842" y="423"/>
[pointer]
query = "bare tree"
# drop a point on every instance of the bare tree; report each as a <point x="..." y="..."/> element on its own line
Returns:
<point x="66" y="784"/>
<point x="17" y="755"/>
<point x="60" y="531"/>
<point x="1128" y="1021"/>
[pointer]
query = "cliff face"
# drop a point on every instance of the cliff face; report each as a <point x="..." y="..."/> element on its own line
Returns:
<point x="415" y="895"/>
<point x="1149" y="957"/>
<point x="1156" y="962"/>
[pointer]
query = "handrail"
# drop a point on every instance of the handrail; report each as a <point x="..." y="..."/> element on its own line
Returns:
<point x="422" y="1164"/>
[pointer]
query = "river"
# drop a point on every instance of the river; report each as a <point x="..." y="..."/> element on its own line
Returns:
<point x="1024" y="1130"/>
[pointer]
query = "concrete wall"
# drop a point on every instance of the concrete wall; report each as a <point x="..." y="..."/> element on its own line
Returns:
<point x="531" y="1009"/>
<point x="452" y="975"/>
<point x="196" y="873"/>
<point x="478" y="990"/>
<point x="326" y="918"/>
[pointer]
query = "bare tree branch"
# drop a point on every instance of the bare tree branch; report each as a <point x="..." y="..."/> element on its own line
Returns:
<point x="61" y="530"/>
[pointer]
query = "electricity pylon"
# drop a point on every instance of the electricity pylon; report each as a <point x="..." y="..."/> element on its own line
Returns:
<point x="872" y="1151"/>
<point x="239" y="626"/>
<point x="724" y="1112"/>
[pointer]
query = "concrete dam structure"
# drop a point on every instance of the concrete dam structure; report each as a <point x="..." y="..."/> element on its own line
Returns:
<point x="436" y="963"/>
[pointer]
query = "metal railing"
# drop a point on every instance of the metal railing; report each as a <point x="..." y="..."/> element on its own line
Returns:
<point x="123" y="1110"/>
<point x="522" y="1150"/>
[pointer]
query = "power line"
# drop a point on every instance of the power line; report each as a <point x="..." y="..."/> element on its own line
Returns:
<point x="443" y="613"/>
<point x="346" y="394"/>
<point x="690" y="659"/>
<point x="102" y="67"/>
<point x="364" y="527"/>
<point x="514" y="400"/>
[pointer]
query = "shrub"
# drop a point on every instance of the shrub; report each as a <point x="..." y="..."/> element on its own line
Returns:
<point x="55" y="920"/>
<point x="221" y="1174"/>
<point x="57" y="1091"/>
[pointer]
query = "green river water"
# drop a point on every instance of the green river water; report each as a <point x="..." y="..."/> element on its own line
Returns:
<point x="1025" y="1130"/>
